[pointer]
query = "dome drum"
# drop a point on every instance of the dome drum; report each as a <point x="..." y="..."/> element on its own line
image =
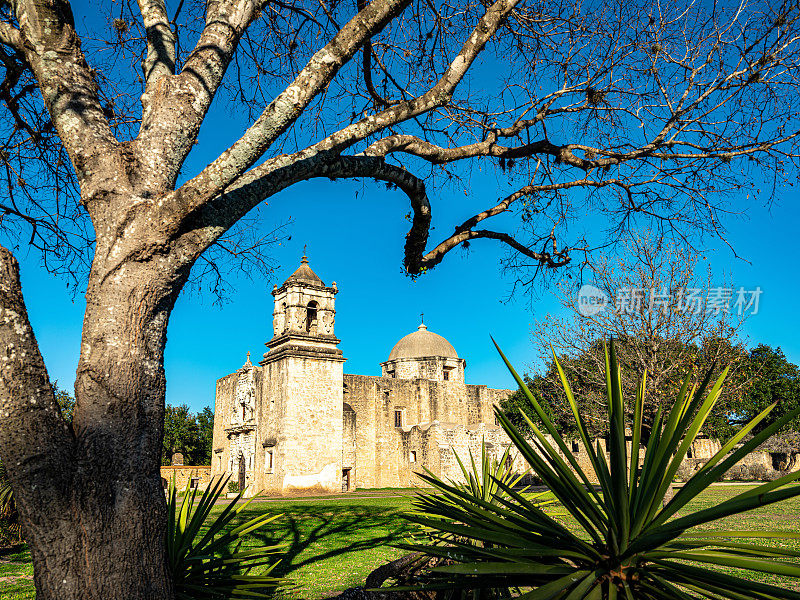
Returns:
<point x="424" y="355"/>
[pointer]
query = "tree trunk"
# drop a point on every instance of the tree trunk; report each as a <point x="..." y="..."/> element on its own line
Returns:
<point x="99" y="533"/>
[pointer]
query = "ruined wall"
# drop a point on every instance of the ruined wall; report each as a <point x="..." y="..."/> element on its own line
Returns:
<point x="195" y="477"/>
<point x="383" y="452"/>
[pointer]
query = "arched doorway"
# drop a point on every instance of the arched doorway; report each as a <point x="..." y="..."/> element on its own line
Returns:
<point x="241" y="472"/>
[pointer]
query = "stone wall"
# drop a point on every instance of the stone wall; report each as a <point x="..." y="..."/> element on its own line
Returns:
<point x="311" y="422"/>
<point x="384" y="451"/>
<point x="430" y="367"/>
<point x="198" y="477"/>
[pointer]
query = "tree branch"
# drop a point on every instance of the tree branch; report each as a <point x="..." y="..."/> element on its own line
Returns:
<point x="288" y="105"/>
<point x="36" y="444"/>
<point x="160" y="59"/>
<point x="10" y="36"/>
<point x="70" y="91"/>
<point x="366" y="66"/>
<point x="216" y="217"/>
<point x="177" y="104"/>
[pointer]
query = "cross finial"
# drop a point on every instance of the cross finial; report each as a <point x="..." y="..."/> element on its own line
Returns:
<point x="247" y="362"/>
<point x="304" y="260"/>
<point x="422" y="321"/>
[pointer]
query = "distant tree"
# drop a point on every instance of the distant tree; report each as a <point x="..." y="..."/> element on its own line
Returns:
<point x="516" y="405"/>
<point x="772" y="378"/>
<point x="65" y="401"/>
<point x="180" y="433"/>
<point x="205" y="431"/>
<point x="188" y="433"/>
<point x="655" y="329"/>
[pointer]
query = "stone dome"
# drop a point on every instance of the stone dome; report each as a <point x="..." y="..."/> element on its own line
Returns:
<point x="422" y="343"/>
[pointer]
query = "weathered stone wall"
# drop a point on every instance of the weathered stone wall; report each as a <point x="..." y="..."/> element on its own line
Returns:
<point x="349" y="426"/>
<point x="291" y="312"/>
<point x="309" y="435"/>
<point x="236" y="420"/>
<point x="223" y="402"/>
<point x="184" y="475"/>
<point x="438" y="368"/>
<point x="384" y="451"/>
<point x="315" y="421"/>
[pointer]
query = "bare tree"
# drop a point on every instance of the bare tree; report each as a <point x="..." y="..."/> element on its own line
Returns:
<point x="657" y="310"/>
<point x="623" y="111"/>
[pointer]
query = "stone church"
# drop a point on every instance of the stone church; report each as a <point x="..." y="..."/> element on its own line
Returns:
<point x="296" y="423"/>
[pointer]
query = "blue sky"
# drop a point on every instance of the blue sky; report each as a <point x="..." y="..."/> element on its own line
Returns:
<point x="355" y="233"/>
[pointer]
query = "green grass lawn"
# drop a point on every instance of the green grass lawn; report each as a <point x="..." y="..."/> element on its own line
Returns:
<point x="334" y="543"/>
<point x="16" y="575"/>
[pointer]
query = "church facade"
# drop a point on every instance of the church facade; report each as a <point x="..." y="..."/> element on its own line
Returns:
<point x="295" y="423"/>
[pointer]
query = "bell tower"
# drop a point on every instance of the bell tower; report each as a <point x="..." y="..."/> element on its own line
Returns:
<point x="304" y="313"/>
<point x="303" y="378"/>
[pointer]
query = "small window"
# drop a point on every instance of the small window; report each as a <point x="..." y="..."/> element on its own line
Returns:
<point x="446" y="375"/>
<point x="575" y="447"/>
<point x="689" y="453"/>
<point x="269" y="459"/>
<point x="412" y="456"/>
<point x="398" y="418"/>
<point x="194" y="483"/>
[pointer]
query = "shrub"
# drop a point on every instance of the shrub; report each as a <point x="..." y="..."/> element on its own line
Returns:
<point x="629" y="545"/>
<point x="485" y="482"/>
<point x="772" y="475"/>
<point x="199" y="554"/>
<point x="233" y="487"/>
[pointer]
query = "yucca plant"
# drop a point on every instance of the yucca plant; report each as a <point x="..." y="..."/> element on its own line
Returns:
<point x="204" y="552"/>
<point x="10" y="527"/>
<point x="437" y="512"/>
<point x="6" y="493"/>
<point x="626" y="543"/>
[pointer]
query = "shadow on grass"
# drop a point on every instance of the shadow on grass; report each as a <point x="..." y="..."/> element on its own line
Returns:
<point x="329" y="548"/>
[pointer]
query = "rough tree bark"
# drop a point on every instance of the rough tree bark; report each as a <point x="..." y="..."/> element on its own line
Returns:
<point x="90" y="494"/>
<point x="93" y="510"/>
